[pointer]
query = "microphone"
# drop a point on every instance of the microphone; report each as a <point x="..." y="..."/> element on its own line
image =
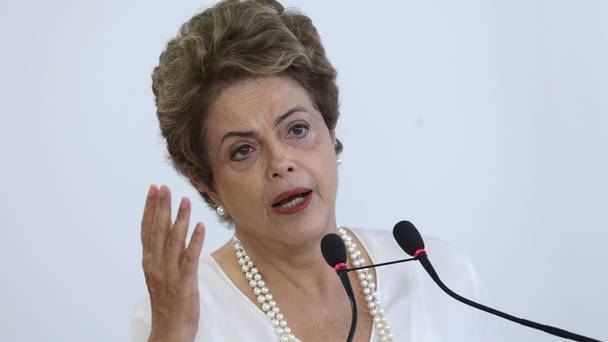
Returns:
<point x="334" y="252"/>
<point x="410" y="240"/>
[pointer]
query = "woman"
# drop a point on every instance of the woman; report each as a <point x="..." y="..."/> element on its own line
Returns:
<point x="248" y="104"/>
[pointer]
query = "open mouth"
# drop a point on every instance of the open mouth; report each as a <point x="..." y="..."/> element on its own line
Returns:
<point x="292" y="201"/>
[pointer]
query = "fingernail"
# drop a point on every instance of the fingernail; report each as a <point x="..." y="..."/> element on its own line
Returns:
<point x="183" y="204"/>
<point x="163" y="191"/>
<point x="152" y="190"/>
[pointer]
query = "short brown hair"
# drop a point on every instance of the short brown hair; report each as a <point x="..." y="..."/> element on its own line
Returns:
<point x="228" y="42"/>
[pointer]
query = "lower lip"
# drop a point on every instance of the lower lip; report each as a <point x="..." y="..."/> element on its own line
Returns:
<point x="297" y="208"/>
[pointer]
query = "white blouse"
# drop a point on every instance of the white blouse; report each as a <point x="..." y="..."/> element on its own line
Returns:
<point x="416" y="308"/>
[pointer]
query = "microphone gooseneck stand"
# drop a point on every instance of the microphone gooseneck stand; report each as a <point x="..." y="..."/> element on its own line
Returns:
<point x="410" y="240"/>
<point x="343" y="274"/>
<point x="422" y="257"/>
<point x="334" y="253"/>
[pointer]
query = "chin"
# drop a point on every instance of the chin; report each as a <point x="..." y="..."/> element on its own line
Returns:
<point x="310" y="228"/>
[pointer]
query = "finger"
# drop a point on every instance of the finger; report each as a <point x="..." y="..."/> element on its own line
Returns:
<point x="148" y="217"/>
<point x="162" y="222"/>
<point x="189" y="262"/>
<point x="176" y="241"/>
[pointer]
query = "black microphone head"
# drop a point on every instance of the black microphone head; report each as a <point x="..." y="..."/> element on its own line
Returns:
<point x="408" y="237"/>
<point x="333" y="250"/>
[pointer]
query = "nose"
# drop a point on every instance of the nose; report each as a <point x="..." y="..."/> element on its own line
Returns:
<point x="280" y="164"/>
<point x="282" y="171"/>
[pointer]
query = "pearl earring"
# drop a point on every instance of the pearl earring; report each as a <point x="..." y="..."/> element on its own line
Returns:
<point x="220" y="211"/>
<point x="339" y="161"/>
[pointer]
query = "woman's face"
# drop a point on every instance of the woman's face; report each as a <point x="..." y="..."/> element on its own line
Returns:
<point x="266" y="141"/>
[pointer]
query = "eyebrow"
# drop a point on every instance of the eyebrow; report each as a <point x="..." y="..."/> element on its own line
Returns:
<point x="288" y="113"/>
<point x="277" y="121"/>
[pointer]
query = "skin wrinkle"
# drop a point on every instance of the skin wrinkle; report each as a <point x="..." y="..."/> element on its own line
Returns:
<point x="254" y="134"/>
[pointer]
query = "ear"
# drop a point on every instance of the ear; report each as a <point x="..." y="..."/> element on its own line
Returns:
<point x="332" y="133"/>
<point x="205" y="188"/>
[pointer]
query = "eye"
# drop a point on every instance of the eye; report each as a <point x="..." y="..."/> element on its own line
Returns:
<point x="299" y="130"/>
<point x="241" y="152"/>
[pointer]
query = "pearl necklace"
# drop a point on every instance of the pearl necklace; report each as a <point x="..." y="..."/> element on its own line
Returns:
<point x="272" y="311"/>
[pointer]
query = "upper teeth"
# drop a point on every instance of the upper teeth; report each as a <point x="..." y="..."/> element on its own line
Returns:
<point x="292" y="203"/>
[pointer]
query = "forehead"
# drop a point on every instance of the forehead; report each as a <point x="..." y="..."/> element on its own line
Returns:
<point x="254" y="99"/>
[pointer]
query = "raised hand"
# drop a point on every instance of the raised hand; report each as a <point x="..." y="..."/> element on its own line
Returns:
<point x="170" y="267"/>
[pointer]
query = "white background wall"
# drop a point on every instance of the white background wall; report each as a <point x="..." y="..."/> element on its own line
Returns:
<point x="483" y="122"/>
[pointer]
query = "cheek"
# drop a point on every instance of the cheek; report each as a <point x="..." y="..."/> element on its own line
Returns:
<point x="326" y="172"/>
<point x="239" y="190"/>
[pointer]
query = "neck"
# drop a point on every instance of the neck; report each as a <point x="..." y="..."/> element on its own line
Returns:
<point x="301" y="266"/>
